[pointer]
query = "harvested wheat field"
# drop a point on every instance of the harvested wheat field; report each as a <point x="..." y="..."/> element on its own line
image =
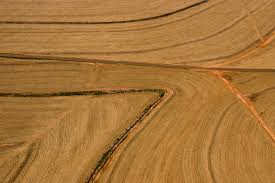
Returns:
<point x="137" y="91"/>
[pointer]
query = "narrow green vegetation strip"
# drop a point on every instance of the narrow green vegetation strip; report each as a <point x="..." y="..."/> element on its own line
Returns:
<point x="80" y="93"/>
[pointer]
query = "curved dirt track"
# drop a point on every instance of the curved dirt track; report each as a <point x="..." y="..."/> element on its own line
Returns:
<point x="145" y="91"/>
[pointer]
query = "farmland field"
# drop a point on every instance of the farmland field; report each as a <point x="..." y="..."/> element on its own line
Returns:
<point x="139" y="91"/>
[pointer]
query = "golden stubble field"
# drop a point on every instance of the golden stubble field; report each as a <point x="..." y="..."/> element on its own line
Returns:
<point x="142" y="91"/>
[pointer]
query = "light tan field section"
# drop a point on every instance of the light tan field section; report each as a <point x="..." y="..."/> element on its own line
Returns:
<point x="259" y="87"/>
<point x="206" y="32"/>
<point x="199" y="132"/>
<point x="263" y="58"/>
<point x="157" y="91"/>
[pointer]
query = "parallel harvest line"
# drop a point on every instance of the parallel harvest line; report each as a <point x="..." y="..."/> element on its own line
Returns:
<point x="107" y="22"/>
